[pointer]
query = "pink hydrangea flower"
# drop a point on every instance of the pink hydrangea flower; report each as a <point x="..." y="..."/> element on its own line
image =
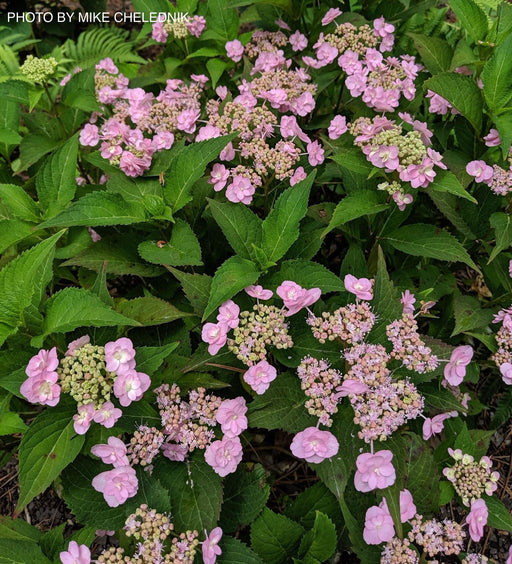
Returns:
<point x="224" y="456"/>
<point x="196" y="25"/>
<point x="477" y="519"/>
<point x="378" y="526"/>
<point x="231" y="416"/>
<point x="120" y="355"/>
<point x="114" y="452"/>
<point x="492" y="139"/>
<point x="315" y="153"/>
<point x="89" y="136"/>
<point x="42" y="389"/>
<point x="240" y="190"/>
<point x="351" y="386"/>
<point x="408" y="300"/>
<point x="331" y="15"/>
<point x="259" y="376"/>
<point x="314" y="445"/>
<point x="455" y="370"/>
<point x="297" y="176"/>
<point x="295" y="297"/>
<point x="290" y="128"/>
<point x="361" y="287"/>
<point x="509" y="557"/>
<point x="218" y="176"/>
<point x="43" y="361"/>
<point x="506" y="373"/>
<point x="83" y="419"/>
<point x="75" y="554"/>
<point x="228" y="314"/>
<point x="304" y="104"/>
<point x="215" y="334"/>
<point x="436" y="424"/>
<point x="337" y="127"/>
<point x="480" y="170"/>
<point x="117" y="485"/>
<point x="374" y="471"/>
<point x="407" y="507"/>
<point x="235" y="50"/>
<point x="163" y="140"/>
<point x="130" y="386"/>
<point x="259" y="292"/>
<point x="77" y="344"/>
<point x="210" y="546"/>
<point x="298" y="41"/>
<point x="107" y="415"/>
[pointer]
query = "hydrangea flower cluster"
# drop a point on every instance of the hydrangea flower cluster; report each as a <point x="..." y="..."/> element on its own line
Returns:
<point x="152" y="530"/>
<point x="402" y="149"/>
<point x="90" y="374"/>
<point x="39" y="70"/>
<point x="140" y="123"/>
<point x="496" y="177"/>
<point x="378" y="525"/>
<point x="437" y="537"/>
<point x="503" y="356"/>
<point x="470" y="478"/>
<point x="179" y="28"/>
<point x="399" y="551"/>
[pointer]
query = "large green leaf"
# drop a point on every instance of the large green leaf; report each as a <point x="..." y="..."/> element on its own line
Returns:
<point x="497" y="77"/>
<point x="275" y="537"/>
<point x="196" y="288"/>
<point x="13" y="231"/>
<point x="307" y="274"/>
<point x="21" y="552"/>
<point x="233" y="275"/>
<point x="423" y="240"/>
<point x="235" y="552"/>
<point x="499" y="516"/>
<point x="46" y="449"/>
<point x="241" y="227"/>
<point x="471" y="17"/>
<point x="22" y="283"/>
<point x="462" y="93"/>
<point x="469" y="314"/>
<point x="188" y="166"/>
<point x="99" y="208"/>
<point x="18" y="202"/>
<point x="446" y="181"/>
<point x="502" y="225"/>
<point x="319" y="544"/>
<point x="223" y="19"/>
<point x="150" y="310"/>
<point x="435" y="52"/>
<point x="280" y="229"/>
<point x="56" y="179"/>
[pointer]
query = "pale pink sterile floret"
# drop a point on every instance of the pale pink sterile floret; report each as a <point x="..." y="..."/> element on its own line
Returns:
<point x="89" y="136"/>
<point x="374" y="471"/>
<point x="435" y="425"/>
<point x="43" y="361"/>
<point x="196" y="25"/>
<point x="240" y="190"/>
<point x="114" y="452"/>
<point x="228" y="314"/>
<point x="492" y="139"/>
<point x="215" y="334"/>
<point x="83" y="419"/>
<point x="175" y="452"/>
<point x="350" y="386"/>
<point x="314" y="445"/>
<point x="130" y="386"/>
<point x="259" y="292"/>
<point x="107" y="415"/>
<point x="42" y="389"/>
<point x="326" y="54"/>
<point x="378" y="525"/>
<point x="290" y="128"/>
<point x="259" y="376"/>
<point x="298" y="176"/>
<point x="218" y="176"/>
<point x="75" y="554"/>
<point x="480" y="170"/>
<point x="117" y="485"/>
<point x="224" y="456"/>
<point x="158" y="33"/>
<point x="221" y="91"/>
<point x="506" y="373"/>
<point x="207" y="132"/>
<point x="234" y="50"/>
<point x="407" y="507"/>
<point x="455" y="369"/>
<point x="231" y="416"/>
<point x="477" y="519"/>
<point x="315" y="153"/>
<point x="295" y="297"/>
<point x="163" y="140"/>
<point x="408" y="300"/>
<point x="361" y="287"/>
<point x="298" y="41"/>
<point x="120" y="355"/>
<point x="210" y="546"/>
<point x="337" y="127"/>
<point x="331" y="15"/>
<point x="304" y="104"/>
<point x="187" y="119"/>
<point x="77" y="344"/>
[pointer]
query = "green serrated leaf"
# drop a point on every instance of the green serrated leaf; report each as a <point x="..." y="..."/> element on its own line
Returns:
<point x="196" y="287"/>
<point x="18" y="529"/>
<point x="231" y="277"/>
<point x="320" y="542"/>
<point x="446" y="181"/>
<point x="499" y="516"/>
<point x="235" y="552"/>
<point x="307" y="274"/>
<point x="471" y="17"/>
<point x="150" y="310"/>
<point x="21" y="552"/>
<point x="149" y="359"/>
<point x="19" y="203"/>
<point x="280" y="229"/>
<point x="46" y="449"/>
<point x="497" y="77"/>
<point x="469" y="314"/>
<point x="435" y="52"/>
<point x="503" y="233"/>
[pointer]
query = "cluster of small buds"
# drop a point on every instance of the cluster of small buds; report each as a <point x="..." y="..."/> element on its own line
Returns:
<point x="368" y="364"/>
<point x="397" y="192"/>
<point x="187" y="425"/>
<point x="350" y="324"/>
<point x="503" y="356"/>
<point x="474" y="558"/>
<point x="497" y="178"/>
<point x="265" y="42"/>
<point x="39" y="70"/>
<point x="399" y="551"/>
<point x="84" y="376"/>
<point x="179" y="28"/>
<point x="264" y="326"/>
<point x="348" y="38"/>
<point x="408" y="345"/>
<point x="437" y="537"/>
<point x="140" y="123"/>
<point x="470" y="478"/>
<point x="380" y="411"/>
<point x="144" y="446"/>
<point x="408" y="154"/>
<point x="319" y="383"/>
<point x="147" y="524"/>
